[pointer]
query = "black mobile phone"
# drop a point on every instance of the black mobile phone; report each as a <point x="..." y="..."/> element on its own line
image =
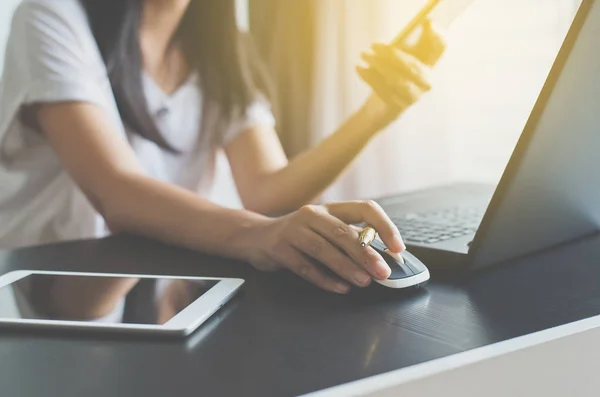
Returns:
<point x="441" y="12"/>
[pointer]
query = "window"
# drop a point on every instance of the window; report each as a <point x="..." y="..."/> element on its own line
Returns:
<point x="499" y="54"/>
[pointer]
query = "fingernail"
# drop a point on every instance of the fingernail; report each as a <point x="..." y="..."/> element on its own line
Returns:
<point x="341" y="288"/>
<point x="362" y="279"/>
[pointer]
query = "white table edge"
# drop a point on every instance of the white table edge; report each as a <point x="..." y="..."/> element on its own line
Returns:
<point x="381" y="382"/>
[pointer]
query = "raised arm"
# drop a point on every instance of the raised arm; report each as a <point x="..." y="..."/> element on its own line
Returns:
<point x="269" y="184"/>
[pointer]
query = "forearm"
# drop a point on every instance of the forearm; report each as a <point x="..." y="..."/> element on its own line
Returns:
<point x="140" y="205"/>
<point x="150" y="208"/>
<point x="307" y="176"/>
<point x="107" y="171"/>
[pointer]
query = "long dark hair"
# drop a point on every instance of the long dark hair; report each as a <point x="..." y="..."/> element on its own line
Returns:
<point x="230" y="74"/>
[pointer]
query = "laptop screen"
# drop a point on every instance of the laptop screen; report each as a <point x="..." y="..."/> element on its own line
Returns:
<point x="550" y="191"/>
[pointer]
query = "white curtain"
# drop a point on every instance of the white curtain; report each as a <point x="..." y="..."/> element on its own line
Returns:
<point x="499" y="54"/>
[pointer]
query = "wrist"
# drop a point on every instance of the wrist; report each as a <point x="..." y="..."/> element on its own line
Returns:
<point x="365" y="121"/>
<point x="247" y="242"/>
<point x="376" y="114"/>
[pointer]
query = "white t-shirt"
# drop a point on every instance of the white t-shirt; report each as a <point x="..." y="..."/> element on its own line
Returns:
<point x="52" y="56"/>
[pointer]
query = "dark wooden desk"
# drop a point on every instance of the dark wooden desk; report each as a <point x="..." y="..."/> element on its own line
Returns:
<point x="282" y="337"/>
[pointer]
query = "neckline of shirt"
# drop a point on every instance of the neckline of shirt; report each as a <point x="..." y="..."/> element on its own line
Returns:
<point x="166" y="98"/>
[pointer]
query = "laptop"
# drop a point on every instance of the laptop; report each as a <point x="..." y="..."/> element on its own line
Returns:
<point x="549" y="193"/>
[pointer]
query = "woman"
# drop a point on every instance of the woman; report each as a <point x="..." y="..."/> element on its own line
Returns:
<point x="111" y="112"/>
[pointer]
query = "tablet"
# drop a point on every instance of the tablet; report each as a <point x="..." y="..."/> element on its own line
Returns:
<point x="161" y="305"/>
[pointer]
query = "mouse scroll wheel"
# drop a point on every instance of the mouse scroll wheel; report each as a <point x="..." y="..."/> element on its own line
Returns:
<point x="398" y="257"/>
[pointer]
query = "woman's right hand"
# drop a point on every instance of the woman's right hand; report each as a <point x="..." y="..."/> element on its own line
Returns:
<point x="316" y="236"/>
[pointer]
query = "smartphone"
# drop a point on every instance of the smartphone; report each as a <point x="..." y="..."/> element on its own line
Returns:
<point x="441" y="12"/>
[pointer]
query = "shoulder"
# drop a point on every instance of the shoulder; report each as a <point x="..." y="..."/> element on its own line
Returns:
<point x="64" y="8"/>
<point x="51" y="56"/>
<point x="45" y="34"/>
<point x="48" y="16"/>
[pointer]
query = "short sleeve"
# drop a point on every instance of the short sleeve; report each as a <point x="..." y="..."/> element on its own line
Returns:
<point x="54" y="54"/>
<point x="51" y="56"/>
<point x="257" y="114"/>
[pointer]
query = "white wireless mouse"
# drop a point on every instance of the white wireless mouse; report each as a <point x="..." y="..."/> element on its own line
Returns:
<point x="407" y="270"/>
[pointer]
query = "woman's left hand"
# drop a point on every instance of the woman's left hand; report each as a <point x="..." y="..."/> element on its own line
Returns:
<point x="398" y="75"/>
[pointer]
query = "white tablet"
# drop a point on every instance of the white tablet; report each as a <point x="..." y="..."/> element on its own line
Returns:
<point x="164" y="305"/>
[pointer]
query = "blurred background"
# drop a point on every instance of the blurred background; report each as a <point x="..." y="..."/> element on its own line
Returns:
<point x="498" y="56"/>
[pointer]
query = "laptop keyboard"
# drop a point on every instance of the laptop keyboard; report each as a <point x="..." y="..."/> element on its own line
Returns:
<point x="437" y="226"/>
